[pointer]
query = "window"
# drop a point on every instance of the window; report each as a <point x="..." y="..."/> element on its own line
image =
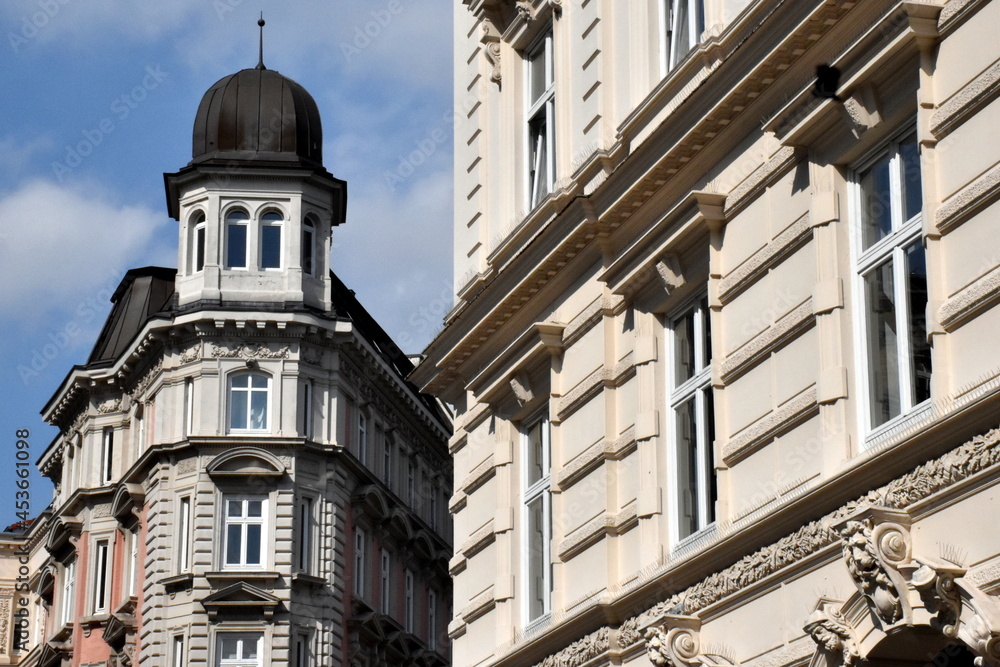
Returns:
<point x="303" y="653"/>
<point x="308" y="247"/>
<point x="385" y="581"/>
<point x="411" y="483"/>
<point x="432" y="620"/>
<point x="362" y="437"/>
<point x="178" y="651"/>
<point x="101" y="565"/>
<point x="270" y="240"/>
<point x="541" y="120"/>
<point x="183" y="535"/>
<point x="408" y="601"/>
<point x="240" y="649"/>
<point x="694" y="421"/>
<point x="306" y="535"/>
<point x="69" y="585"/>
<point x="360" y="543"/>
<point x="536" y="446"/>
<point x="198" y="242"/>
<point x="433" y="510"/>
<point x="188" y="406"/>
<point x="245" y="528"/>
<point x="108" y="454"/>
<point x="237" y="223"/>
<point x="307" y="412"/>
<point x="892" y="271"/>
<point x="133" y="562"/>
<point x="387" y="457"/>
<point x="249" y="398"/>
<point x="683" y="23"/>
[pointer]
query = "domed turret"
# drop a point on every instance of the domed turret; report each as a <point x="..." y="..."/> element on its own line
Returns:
<point x="261" y="116"/>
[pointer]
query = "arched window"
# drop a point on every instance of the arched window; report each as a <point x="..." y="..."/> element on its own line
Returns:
<point x="309" y="247"/>
<point x="197" y="242"/>
<point x="249" y="402"/>
<point x="237" y="223"/>
<point x="270" y="240"/>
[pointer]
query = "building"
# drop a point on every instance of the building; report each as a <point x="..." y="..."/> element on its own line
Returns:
<point x="243" y="476"/>
<point x="721" y="355"/>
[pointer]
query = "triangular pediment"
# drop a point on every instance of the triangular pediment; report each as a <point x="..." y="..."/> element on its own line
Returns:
<point x="241" y="598"/>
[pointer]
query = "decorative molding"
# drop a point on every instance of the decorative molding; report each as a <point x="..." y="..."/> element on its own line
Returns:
<point x="479" y="540"/>
<point x="966" y="101"/>
<point x="581" y="651"/>
<point x="760" y="178"/>
<point x="187" y="465"/>
<point x="970" y="199"/>
<point x="139" y="387"/>
<point x="797" y="652"/>
<point x="756" y="267"/>
<point x="595" y="529"/>
<point x="490" y="40"/>
<point x="590" y="385"/>
<point x="248" y="351"/>
<point x="109" y="406"/>
<point x="671" y="645"/>
<point x="191" y="354"/>
<point x="832" y="634"/>
<point x="101" y="510"/>
<point x="478" y="476"/>
<point x="870" y="543"/>
<point x="592" y="457"/>
<point x="970" y="301"/>
<point x="793" y="323"/>
<point x="478" y="606"/>
<point x="764" y="430"/>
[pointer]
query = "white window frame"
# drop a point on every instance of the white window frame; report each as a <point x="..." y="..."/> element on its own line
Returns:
<point x="188" y="406"/>
<point x="306" y="518"/>
<point x="385" y="581"/>
<point x="177" y="655"/>
<point x="183" y="534"/>
<point x="240" y="661"/>
<point x="308" y="254"/>
<point x="540" y="178"/>
<point x="68" y="589"/>
<point x="232" y="393"/>
<point x="539" y="490"/>
<point x="268" y="222"/>
<point x="101" y="576"/>
<point x="892" y="247"/>
<point x="409" y="596"/>
<point x="360" y="547"/>
<point x="199" y="232"/>
<point x="245" y="521"/>
<point x="695" y="388"/>
<point x="672" y="52"/>
<point x="132" y="546"/>
<point x="108" y="453"/>
<point x="231" y="221"/>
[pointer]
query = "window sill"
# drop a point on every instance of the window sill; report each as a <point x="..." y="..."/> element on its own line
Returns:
<point x="242" y="575"/>
<point x="538" y="624"/>
<point x="694" y="541"/>
<point x="178" y="582"/>
<point x="310" y="579"/>
<point x="89" y="623"/>
<point x="63" y="633"/>
<point x="886" y="433"/>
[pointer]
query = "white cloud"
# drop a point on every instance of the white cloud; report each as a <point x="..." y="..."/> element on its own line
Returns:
<point x="59" y="246"/>
<point x="17" y="156"/>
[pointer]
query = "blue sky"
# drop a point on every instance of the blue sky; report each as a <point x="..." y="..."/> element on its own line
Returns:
<point x="99" y="102"/>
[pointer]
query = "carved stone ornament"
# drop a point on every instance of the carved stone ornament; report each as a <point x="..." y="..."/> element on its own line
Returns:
<point x="580" y="651"/>
<point x="868" y="549"/>
<point x="109" y="406"/>
<point x="491" y="48"/>
<point x="675" y="643"/>
<point x="191" y="353"/>
<point x="249" y="351"/>
<point x="832" y="634"/>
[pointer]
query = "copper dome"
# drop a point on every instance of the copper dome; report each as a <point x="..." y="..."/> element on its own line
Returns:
<point x="258" y="115"/>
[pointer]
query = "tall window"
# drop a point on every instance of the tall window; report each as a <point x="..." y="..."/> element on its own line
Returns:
<point x="432" y="620"/>
<point x="408" y="599"/>
<point x="695" y="490"/>
<point x="132" y="544"/>
<point x="362" y="437"/>
<point x="245" y="526"/>
<point x="411" y="483"/>
<point x="538" y="517"/>
<point x="306" y="535"/>
<point x="197" y="242"/>
<point x="69" y="585"/>
<point x="387" y="459"/>
<point x="307" y="408"/>
<point x="360" y="545"/>
<point x="188" y="406"/>
<point x="385" y="581"/>
<point x="237" y="224"/>
<point x="270" y="240"/>
<point x="183" y="535"/>
<point x="101" y="565"/>
<point x="683" y="23"/>
<point x="303" y="653"/>
<point x="240" y="649"/>
<point x="107" y="454"/>
<point x="541" y="119"/>
<point x="249" y="398"/>
<point x="893" y="276"/>
<point x="178" y="651"/>
<point x="308" y="247"/>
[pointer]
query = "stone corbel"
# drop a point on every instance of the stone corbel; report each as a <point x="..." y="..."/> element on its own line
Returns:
<point x="832" y="634"/>
<point x="671" y="272"/>
<point x="520" y="384"/>
<point x="551" y="335"/>
<point x="675" y="642"/>
<point x="491" y="48"/>
<point x="862" y="110"/>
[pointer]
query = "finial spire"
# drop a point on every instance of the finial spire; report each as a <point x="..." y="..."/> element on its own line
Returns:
<point x="260" y="61"/>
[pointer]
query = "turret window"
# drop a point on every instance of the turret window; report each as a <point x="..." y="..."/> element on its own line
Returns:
<point x="308" y="247"/>
<point x="237" y="223"/>
<point x="270" y="240"/>
<point x="198" y="242"/>
<point x="249" y="402"/>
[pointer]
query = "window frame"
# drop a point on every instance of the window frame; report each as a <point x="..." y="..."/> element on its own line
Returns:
<point x="230" y="390"/>
<point x="218" y="661"/>
<point x="307" y="260"/>
<point x="68" y="593"/>
<point x="177" y="654"/>
<point x="385" y="581"/>
<point x="541" y="110"/>
<point x="305" y="549"/>
<point x="245" y="521"/>
<point x="892" y="249"/>
<point x="228" y="222"/>
<point x="697" y="388"/>
<point x="532" y="492"/>
<point x="265" y="223"/>
<point x="362" y="434"/>
<point x="432" y="619"/>
<point x="108" y="452"/>
<point x="360" y="564"/>
<point x="184" y="534"/>
<point x="669" y="24"/>
<point x="101" y="576"/>
<point x="409" y="598"/>
<point x="199" y="239"/>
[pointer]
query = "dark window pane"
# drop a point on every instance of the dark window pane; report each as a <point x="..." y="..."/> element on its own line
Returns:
<point x="684" y="360"/>
<point x="713" y="486"/>
<point x="236" y="246"/>
<point x="258" y="410"/>
<point x="234" y="542"/>
<point x="536" y="74"/>
<point x="307" y="250"/>
<point x="270" y="247"/>
<point x="687" y="469"/>
<point x="883" y="355"/>
<point x="920" y="350"/>
<point x="536" y="559"/>
<point x="909" y="155"/>
<point x="706" y="316"/>
<point x="253" y="545"/>
<point x="199" y="249"/>
<point x="238" y="410"/>
<point x="876" y="210"/>
<point x="538" y="176"/>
